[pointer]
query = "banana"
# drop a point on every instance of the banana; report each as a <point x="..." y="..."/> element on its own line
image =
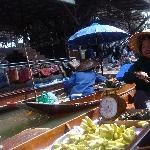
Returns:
<point x="83" y="126"/>
<point x="111" y="143"/>
<point x="126" y="137"/>
<point x="143" y="123"/>
<point x="94" y="137"/>
<point x="114" y="127"/>
<point x="122" y="128"/>
<point x="120" y="140"/>
<point x="80" y="147"/>
<point x="89" y="121"/>
<point x="107" y="127"/>
<point x="116" y="136"/>
<point x="120" y="144"/>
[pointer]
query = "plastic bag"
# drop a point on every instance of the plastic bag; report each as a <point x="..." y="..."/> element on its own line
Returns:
<point x="47" y="97"/>
<point x="74" y="63"/>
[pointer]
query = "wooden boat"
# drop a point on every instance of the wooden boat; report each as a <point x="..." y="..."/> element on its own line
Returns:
<point x="84" y="102"/>
<point x="66" y="107"/>
<point x="25" y="140"/>
<point x="11" y="99"/>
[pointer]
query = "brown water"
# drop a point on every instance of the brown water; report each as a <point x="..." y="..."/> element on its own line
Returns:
<point x="15" y="121"/>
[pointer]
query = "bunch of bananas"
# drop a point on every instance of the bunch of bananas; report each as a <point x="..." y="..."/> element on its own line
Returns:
<point x="95" y="137"/>
<point x="88" y="125"/>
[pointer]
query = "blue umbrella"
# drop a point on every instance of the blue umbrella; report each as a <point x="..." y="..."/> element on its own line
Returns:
<point x="97" y="34"/>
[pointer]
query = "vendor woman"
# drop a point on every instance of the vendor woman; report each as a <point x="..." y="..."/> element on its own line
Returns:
<point x="139" y="72"/>
<point x="81" y="82"/>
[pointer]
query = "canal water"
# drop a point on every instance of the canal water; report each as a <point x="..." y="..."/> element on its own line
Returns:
<point x="24" y="117"/>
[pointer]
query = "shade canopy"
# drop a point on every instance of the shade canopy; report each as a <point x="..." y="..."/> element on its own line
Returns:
<point x="97" y="34"/>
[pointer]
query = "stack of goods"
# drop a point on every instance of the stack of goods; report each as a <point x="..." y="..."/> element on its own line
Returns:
<point x="111" y="83"/>
<point x="45" y="71"/>
<point x="19" y="75"/>
<point x="137" y="115"/>
<point x="97" y="137"/>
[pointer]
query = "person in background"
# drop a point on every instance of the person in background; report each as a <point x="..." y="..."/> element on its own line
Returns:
<point x="117" y="54"/>
<point x="82" y="81"/>
<point x="139" y="72"/>
<point x="89" y="53"/>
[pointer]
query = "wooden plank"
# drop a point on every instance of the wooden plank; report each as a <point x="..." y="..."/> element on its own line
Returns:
<point x="23" y="136"/>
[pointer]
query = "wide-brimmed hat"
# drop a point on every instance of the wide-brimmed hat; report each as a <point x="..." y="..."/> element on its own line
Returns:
<point x="136" y="39"/>
<point x="87" y="65"/>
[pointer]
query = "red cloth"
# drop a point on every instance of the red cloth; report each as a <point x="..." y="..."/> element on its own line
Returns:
<point x="13" y="75"/>
<point x="45" y="72"/>
<point x="24" y="75"/>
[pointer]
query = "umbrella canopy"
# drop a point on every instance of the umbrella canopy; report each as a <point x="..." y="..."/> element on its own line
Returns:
<point x="97" y="34"/>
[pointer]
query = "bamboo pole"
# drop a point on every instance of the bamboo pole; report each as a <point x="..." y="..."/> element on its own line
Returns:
<point x="32" y="78"/>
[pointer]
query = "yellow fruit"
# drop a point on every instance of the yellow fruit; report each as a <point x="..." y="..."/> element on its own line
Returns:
<point x="107" y="126"/>
<point x="143" y="123"/>
<point x="127" y="137"/>
<point x="116" y="136"/>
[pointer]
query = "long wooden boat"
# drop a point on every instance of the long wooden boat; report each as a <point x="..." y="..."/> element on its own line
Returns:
<point x="66" y="107"/>
<point x="10" y="100"/>
<point x="26" y="141"/>
<point x="125" y="92"/>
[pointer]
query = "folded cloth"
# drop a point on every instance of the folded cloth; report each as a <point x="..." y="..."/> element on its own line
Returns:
<point x="13" y="75"/>
<point x="45" y="72"/>
<point x="24" y="75"/>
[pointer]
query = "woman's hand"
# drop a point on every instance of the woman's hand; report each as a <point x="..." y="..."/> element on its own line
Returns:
<point x="143" y="76"/>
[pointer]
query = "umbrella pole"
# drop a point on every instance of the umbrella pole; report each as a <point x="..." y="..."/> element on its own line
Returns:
<point x="32" y="79"/>
<point x="99" y="53"/>
<point x="102" y="69"/>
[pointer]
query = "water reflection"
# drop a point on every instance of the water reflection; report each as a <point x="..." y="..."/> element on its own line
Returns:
<point x="15" y="121"/>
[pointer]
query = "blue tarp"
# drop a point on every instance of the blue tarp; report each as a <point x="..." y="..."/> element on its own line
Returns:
<point x="123" y="69"/>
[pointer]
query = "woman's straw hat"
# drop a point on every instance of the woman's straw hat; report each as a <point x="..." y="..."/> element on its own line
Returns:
<point x="87" y="65"/>
<point x="135" y="40"/>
